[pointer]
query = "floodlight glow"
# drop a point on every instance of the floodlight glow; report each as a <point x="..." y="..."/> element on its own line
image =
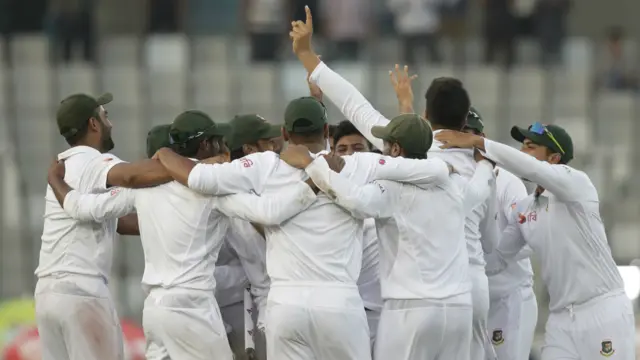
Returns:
<point x="631" y="278"/>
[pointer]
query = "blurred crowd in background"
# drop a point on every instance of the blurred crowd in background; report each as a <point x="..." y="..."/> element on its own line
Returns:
<point x="347" y="25"/>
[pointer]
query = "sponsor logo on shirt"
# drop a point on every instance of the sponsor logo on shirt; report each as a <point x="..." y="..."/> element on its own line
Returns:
<point x="115" y="191"/>
<point x="497" y="338"/>
<point x="521" y="218"/>
<point x="607" y="348"/>
<point x="531" y="216"/>
<point x="246" y="162"/>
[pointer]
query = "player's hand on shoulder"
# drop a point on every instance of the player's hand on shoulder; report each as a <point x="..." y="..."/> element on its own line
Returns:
<point x="56" y="170"/>
<point x="297" y="156"/>
<point x="336" y="163"/>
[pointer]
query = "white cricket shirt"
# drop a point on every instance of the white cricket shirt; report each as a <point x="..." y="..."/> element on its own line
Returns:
<point x="70" y="246"/>
<point x="419" y="255"/>
<point x="518" y="273"/>
<point x="563" y="226"/>
<point x="364" y="116"/>
<point x="181" y="230"/>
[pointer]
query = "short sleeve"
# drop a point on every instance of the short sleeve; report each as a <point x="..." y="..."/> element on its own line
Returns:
<point x="94" y="175"/>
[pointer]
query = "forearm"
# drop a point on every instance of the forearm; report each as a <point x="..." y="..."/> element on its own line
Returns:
<point x="177" y="167"/>
<point x="145" y="173"/>
<point x="60" y="189"/>
<point x="309" y="60"/>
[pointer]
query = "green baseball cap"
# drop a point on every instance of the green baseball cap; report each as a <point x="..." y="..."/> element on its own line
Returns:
<point x="409" y="130"/>
<point x="248" y="129"/>
<point x="304" y="115"/>
<point x="157" y="138"/>
<point x="74" y="112"/>
<point x="193" y="124"/>
<point x="552" y="136"/>
<point x="474" y="120"/>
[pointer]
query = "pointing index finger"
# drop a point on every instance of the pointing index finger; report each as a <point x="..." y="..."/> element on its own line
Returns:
<point x="309" y="21"/>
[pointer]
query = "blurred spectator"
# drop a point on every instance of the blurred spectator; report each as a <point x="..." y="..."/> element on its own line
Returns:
<point x="551" y="28"/>
<point x="72" y="23"/>
<point x="454" y="19"/>
<point x="417" y="23"/>
<point x="618" y="66"/>
<point x="267" y="22"/>
<point x="347" y="24"/>
<point x="165" y="16"/>
<point x="499" y="31"/>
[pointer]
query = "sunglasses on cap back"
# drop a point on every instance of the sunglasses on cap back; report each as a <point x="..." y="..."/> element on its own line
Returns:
<point x="539" y="129"/>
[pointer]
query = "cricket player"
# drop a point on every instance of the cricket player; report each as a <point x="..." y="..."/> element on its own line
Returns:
<point x="75" y="313"/>
<point x="314" y="258"/>
<point x="348" y="141"/>
<point x="425" y="285"/>
<point x="513" y="311"/>
<point x="181" y="233"/>
<point x="240" y="263"/>
<point x="447" y="107"/>
<point x="590" y="314"/>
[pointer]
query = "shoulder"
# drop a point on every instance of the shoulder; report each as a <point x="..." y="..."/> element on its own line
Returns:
<point x="259" y="159"/>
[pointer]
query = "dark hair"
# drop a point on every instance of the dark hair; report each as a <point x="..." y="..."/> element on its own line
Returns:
<point x="346" y="128"/>
<point x="74" y="139"/>
<point x="237" y="154"/>
<point x="332" y="130"/>
<point x="447" y="103"/>
<point x="191" y="147"/>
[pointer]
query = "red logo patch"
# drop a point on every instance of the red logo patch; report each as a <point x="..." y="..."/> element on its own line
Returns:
<point x="246" y="162"/>
<point x="521" y="218"/>
<point x="115" y="191"/>
<point x="381" y="162"/>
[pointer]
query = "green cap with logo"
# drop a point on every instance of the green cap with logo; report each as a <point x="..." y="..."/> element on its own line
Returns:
<point x="157" y="138"/>
<point x="193" y="124"/>
<point x="409" y="130"/>
<point x="305" y="115"/>
<point x="552" y="136"/>
<point x="248" y="129"/>
<point x="474" y="120"/>
<point x="74" y="112"/>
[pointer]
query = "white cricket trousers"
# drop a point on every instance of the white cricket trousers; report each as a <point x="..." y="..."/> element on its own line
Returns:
<point x="512" y="323"/>
<point x="184" y="324"/>
<point x="77" y="319"/>
<point x="603" y="327"/>
<point x="481" y="348"/>
<point x="425" y="329"/>
<point x="322" y="321"/>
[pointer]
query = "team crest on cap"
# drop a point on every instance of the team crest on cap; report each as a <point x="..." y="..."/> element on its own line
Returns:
<point x="607" y="348"/>
<point x="497" y="338"/>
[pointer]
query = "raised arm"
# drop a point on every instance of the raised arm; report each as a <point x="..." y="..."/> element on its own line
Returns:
<point x="369" y="201"/>
<point x="268" y="209"/>
<point x="113" y="204"/>
<point x="353" y="105"/>
<point x="344" y="95"/>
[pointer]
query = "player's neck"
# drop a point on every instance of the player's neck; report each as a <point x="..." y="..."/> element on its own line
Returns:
<point x="314" y="147"/>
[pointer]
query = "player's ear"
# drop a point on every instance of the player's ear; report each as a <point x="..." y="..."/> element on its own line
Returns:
<point x="396" y="150"/>
<point x="554" y="158"/>
<point x="285" y="134"/>
<point x="94" y="124"/>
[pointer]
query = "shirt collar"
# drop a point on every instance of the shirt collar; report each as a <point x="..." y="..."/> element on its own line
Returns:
<point x="80" y="149"/>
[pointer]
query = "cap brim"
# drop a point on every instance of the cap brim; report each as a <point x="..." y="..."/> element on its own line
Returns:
<point x="273" y="131"/>
<point x="520" y="134"/>
<point x="104" y="99"/>
<point x="380" y="132"/>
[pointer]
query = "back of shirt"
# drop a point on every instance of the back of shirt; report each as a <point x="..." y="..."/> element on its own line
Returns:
<point x="181" y="235"/>
<point x="464" y="164"/>
<point x="427" y="257"/>
<point x="70" y="246"/>
<point x="321" y="244"/>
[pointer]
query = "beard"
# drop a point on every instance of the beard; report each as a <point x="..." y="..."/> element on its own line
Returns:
<point x="106" y="141"/>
